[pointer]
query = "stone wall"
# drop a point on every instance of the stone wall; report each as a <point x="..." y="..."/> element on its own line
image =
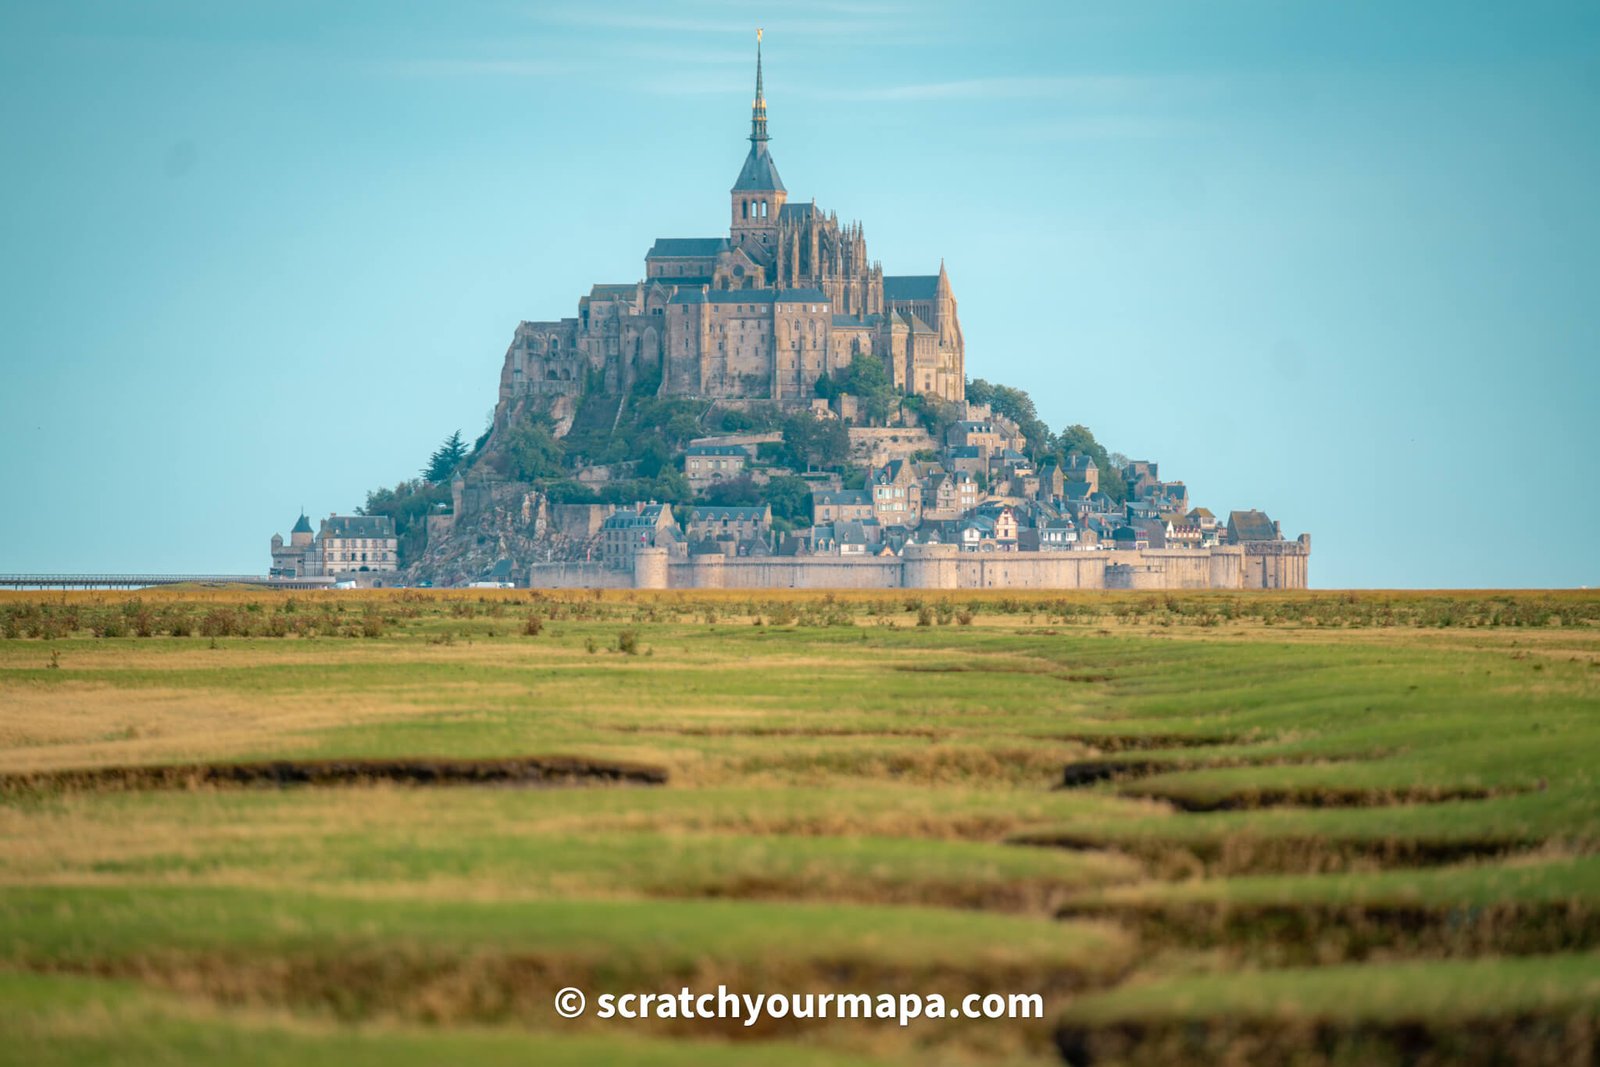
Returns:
<point x="877" y="446"/>
<point x="577" y="576"/>
<point x="580" y="522"/>
<point x="1269" y="565"/>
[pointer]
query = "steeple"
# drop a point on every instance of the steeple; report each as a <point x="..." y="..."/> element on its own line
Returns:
<point x="758" y="110"/>
<point x="758" y="192"/>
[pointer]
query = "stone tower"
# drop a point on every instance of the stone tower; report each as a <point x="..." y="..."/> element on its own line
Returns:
<point x="758" y="194"/>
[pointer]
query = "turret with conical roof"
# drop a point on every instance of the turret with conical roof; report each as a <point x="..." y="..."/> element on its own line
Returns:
<point x="758" y="193"/>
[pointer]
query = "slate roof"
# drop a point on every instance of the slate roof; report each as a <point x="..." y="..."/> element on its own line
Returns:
<point x="686" y="247"/>
<point x="842" y="497"/>
<point x="910" y="286"/>
<point x="707" y="513"/>
<point x="749" y="296"/>
<point x="1251" y="526"/>
<point x="759" y="174"/>
<point x="626" y="520"/>
<point x="851" y="533"/>
<point x="358" y="526"/>
<point x="717" y="450"/>
<point x="644" y="516"/>
<point x="302" y="525"/>
<point x="891" y="473"/>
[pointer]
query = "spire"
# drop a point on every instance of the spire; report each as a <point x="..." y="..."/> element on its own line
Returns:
<point x="758" y="110"/>
<point x="759" y="174"/>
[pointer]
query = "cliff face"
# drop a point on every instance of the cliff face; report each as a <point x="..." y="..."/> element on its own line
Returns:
<point x="497" y="524"/>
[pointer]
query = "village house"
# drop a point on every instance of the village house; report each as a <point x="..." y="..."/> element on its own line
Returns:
<point x="896" y="494"/>
<point x="1248" y="526"/>
<point x="706" y="465"/>
<point x="358" y="543"/>
<point x="1184" y="535"/>
<point x="967" y="459"/>
<point x="1052" y="483"/>
<point x="1081" y="468"/>
<point x="1141" y="478"/>
<point x="986" y="436"/>
<point x="733" y="524"/>
<point x="847" y="538"/>
<point x="343" y="545"/>
<point x="950" y="496"/>
<point x="626" y="531"/>
<point x="1058" y="535"/>
<point x="840" y="505"/>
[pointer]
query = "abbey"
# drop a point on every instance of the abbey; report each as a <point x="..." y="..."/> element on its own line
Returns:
<point x="787" y="296"/>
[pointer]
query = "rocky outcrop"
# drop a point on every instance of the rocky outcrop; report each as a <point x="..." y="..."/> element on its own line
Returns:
<point x="499" y="529"/>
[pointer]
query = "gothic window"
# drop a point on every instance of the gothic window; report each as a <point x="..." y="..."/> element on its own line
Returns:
<point x="745" y="207"/>
<point x="763" y="209"/>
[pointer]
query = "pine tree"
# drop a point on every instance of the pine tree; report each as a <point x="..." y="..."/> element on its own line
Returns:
<point x="445" y="459"/>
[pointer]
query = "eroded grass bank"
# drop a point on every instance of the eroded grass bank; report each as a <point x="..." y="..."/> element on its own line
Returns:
<point x="1205" y="826"/>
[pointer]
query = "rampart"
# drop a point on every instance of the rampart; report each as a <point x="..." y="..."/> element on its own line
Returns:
<point x="1263" y="565"/>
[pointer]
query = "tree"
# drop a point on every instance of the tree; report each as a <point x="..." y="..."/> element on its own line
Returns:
<point x="868" y="381"/>
<point x="757" y="419"/>
<point x="1078" y="439"/>
<point x="531" y="452"/>
<point x="934" y="414"/>
<point x="810" y="441"/>
<point x="654" y="456"/>
<point x="790" y="498"/>
<point x="409" y="505"/>
<point x="733" y="493"/>
<point x="445" y="459"/>
<point x="1016" y="405"/>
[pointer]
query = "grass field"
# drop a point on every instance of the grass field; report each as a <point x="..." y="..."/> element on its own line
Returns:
<point x="240" y="826"/>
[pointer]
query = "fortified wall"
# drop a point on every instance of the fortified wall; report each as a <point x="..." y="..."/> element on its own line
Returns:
<point x="1263" y="565"/>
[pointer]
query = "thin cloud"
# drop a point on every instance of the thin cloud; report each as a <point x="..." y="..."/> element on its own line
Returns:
<point x="1113" y="128"/>
<point x="476" y="68"/>
<point x="1098" y="87"/>
<point x="869" y="19"/>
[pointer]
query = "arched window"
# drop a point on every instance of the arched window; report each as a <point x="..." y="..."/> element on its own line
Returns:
<point x="763" y="209"/>
<point x="744" y="206"/>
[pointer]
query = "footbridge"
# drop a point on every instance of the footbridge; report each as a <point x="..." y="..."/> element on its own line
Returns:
<point x="146" y="581"/>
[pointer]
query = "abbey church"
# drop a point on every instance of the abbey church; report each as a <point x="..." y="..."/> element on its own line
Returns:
<point x="787" y="296"/>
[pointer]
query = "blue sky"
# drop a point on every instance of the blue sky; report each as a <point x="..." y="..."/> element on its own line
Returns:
<point x="1340" y="262"/>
